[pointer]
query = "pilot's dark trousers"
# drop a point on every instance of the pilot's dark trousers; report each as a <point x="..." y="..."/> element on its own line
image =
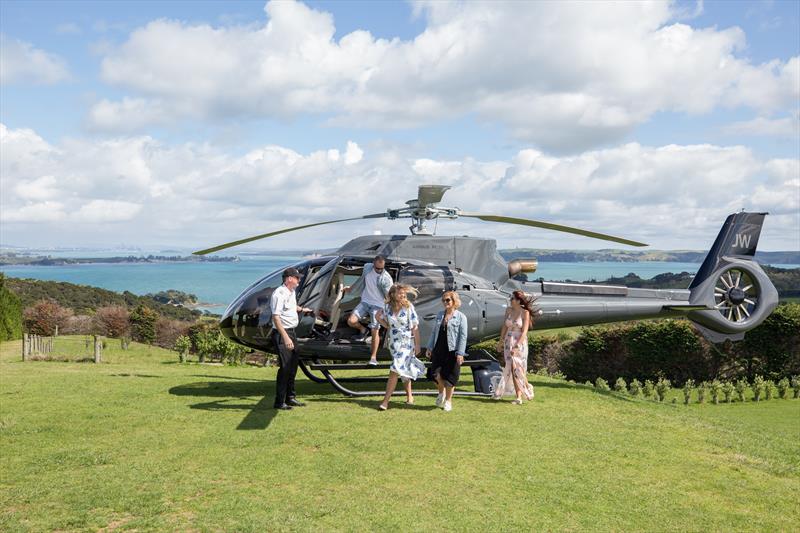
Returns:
<point x="287" y="359"/>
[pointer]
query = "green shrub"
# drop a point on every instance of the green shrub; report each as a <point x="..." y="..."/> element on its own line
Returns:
<point x="230" y="352"/>
<point x="635" y="388"/>
<point x="205" y="342"/>
<point x="182" y="345"/>
<point x="727" y="390"/>
<point x="648" y="388"/>
<point x="143" y="324"/>
<point x="10" y="313"/>
<point x="757" y="387"/>
<point x="674" y="350"/>
<point x="773" y="348"/>
<point x="601" y="385"/>
<point x="702" y="389"/>
<point x="662" y="387"/>
<point x="741" y="388"/>
<point x="796" y="386"/>
<point x="783" y="388"/>
<point x="688" y="386"/>
<point x="715" y="388"/>
<point x="620" y="386"/>
<point x="769" y="389"/>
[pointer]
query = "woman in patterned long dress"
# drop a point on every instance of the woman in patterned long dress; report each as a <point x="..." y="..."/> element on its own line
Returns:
<point x="400" y="319"/>
<point x="514" y="343"/>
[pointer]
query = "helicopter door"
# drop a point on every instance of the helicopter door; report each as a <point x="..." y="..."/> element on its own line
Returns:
<point x="315" y="296"/>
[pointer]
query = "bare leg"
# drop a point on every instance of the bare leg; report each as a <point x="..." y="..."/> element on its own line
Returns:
<point x="376" y="339"/>
<point x="353" y="322"/>
<point x="409" y="395"/>
<point x="390" y="386"/>
<point x="449" y="393"/>
<point x="440" y="384"/>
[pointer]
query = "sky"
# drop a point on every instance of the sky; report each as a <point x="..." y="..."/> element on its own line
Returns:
<point x="191" y="124"/>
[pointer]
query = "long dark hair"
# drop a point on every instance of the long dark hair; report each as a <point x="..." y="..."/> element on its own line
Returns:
<point x="526" y="302"/>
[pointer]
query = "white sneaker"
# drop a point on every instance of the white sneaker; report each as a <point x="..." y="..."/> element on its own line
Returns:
<point x="448" y="406"/>
<point x="440" y="400"/>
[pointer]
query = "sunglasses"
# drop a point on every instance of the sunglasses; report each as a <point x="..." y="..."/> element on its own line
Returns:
<point x="447" y="300"/>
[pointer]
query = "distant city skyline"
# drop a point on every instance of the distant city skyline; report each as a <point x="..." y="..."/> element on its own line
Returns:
<point x="177" y="124"/>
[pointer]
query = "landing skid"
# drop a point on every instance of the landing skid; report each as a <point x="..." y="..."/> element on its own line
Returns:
<point x="477" y="361"/>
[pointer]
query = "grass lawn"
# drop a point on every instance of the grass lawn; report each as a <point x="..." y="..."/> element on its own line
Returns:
<point x="141" y="442"/>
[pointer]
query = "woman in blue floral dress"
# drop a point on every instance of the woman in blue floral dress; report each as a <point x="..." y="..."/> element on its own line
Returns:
<point x="400" y="319"/>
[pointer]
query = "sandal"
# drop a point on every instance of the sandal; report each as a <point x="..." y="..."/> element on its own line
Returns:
<point x="382" y="407"/>
<point x="517" y="402"/>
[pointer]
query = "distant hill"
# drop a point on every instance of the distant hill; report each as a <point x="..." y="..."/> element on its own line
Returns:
<point x="786" y="280"/>
<point x="7" y="259"/>
<point x="85" y="299"/>
<point x="624" y="256"/>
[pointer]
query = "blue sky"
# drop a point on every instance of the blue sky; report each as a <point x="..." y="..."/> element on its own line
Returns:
<point x="165" y="123"/>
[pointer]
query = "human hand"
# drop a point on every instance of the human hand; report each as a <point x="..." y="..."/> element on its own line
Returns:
<point x="499" y="346"/>
<point x="288" y="342"/>
<point x="460" y="360"/>
<point x="427" y="353"/>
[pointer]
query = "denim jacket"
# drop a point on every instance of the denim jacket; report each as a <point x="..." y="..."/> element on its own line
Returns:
<point x="456" y="332"/>
<point x="384" y="281"/>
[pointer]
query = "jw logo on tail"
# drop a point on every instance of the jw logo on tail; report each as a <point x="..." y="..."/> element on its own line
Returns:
<point x="742" y="240"/>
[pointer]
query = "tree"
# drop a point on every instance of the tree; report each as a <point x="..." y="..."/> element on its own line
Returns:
<point x="10" y="313"/>
<point x="143" y="324"/>
<point x="44" y="317"/>
<point x="113" y="321"/>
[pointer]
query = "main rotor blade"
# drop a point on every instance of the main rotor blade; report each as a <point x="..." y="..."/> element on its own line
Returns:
<point x="554" y="227"/>
<point x="286" y="230"/>
<point x="430" y="194"/>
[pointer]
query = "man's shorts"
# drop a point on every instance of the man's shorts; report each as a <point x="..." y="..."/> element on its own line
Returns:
<point x="363" y="309"/>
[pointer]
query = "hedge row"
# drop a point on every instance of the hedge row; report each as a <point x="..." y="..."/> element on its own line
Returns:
<point x="673" y="350"/>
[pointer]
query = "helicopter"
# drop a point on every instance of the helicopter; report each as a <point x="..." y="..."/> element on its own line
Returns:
<point x="729" y="295"/>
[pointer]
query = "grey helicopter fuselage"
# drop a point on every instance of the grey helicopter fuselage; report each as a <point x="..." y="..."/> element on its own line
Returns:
<point x="484" y="281"/>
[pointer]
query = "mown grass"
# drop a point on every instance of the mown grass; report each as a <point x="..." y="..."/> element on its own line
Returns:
<point x="141" y="442"/>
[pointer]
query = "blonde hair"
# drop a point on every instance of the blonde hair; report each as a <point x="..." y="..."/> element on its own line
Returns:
<point x="456" y="298"/>
<point x="401" y="287"/>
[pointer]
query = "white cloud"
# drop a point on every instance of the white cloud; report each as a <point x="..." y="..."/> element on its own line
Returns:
<point x="767" y="127"/>
<point x="107" y="211"/>
<point x="143" y="191"/>
<point x="20" y="62"/>
<point x="566" y="76"/>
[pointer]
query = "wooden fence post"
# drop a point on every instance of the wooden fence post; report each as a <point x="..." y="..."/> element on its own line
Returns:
<point x="24" y="347"/>
<point x="98" y="346"/>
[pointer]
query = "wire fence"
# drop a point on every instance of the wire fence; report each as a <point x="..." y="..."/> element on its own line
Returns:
<point x="40" y="347"/>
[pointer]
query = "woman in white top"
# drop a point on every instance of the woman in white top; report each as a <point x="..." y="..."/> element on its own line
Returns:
<point x="400" y="319"/>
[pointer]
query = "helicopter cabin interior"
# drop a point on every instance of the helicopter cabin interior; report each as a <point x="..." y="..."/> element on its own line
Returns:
<point x="323" y="290"/>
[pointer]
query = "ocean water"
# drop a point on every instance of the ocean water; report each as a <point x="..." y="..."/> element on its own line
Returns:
<point x="217" y="284"/>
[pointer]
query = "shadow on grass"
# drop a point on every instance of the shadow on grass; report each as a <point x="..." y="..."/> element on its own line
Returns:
<point x="373" y="402"/>
<point x="125" y="375"/>
<point x="237" y="395"/>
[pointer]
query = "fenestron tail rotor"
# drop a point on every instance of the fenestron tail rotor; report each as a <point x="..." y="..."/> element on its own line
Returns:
<point x="424" y="208"/>
<point x="736" y="295"/>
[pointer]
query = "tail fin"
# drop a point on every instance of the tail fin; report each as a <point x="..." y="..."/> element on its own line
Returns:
<point x="735" y="291"/>
<point x="738" y="238"/>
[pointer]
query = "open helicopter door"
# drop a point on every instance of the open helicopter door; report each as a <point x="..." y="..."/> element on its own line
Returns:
<point x="316" y="295"/>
